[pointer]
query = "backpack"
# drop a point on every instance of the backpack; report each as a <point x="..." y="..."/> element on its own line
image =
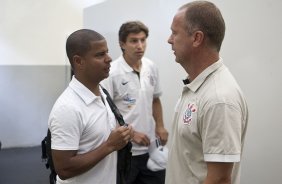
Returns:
<point x="47" y="157"/>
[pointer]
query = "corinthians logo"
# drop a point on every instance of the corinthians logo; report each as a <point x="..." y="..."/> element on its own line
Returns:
<point x="188" y="114"/>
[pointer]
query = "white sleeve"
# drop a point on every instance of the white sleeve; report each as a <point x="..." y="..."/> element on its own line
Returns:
<point x="66" y="129"/>
<point x="157" y="90"/>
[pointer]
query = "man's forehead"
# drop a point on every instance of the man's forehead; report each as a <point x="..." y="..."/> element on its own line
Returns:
<point x="98" y="43"/>
<point x="101" y="44"/>
<point x="137" y="35"/>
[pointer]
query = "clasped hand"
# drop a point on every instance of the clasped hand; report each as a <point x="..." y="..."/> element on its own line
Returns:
<point x="120" y="136"/>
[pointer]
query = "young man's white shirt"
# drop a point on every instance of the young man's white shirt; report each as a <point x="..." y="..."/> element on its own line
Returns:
<point x="133" y="94"/>
<point x="81" y="121"/>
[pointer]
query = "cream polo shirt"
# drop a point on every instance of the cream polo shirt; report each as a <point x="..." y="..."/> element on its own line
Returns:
<point x="209" y="126"/>
<point x="134" y="94"/>
<point x="80" y="121"/>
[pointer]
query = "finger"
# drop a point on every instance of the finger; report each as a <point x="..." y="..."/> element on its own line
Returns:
<point x="146" y="142"/>
<point x="127" y="133"/>
<point x="127" y="137"/>
<point x="164" y="142"/>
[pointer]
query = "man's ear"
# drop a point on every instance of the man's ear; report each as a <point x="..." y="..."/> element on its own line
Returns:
<point x="198" y="38"/>
<point x="77" y="61"/>
<point x="121" y="44"/>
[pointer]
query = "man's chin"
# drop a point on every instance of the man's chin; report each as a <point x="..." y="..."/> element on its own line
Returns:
<point x="105" y="76"/>
<point x="177" y="60"/>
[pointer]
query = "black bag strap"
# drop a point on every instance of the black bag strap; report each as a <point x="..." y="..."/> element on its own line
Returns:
<point x="124" y="155"/>
<point x="114" y="108"/>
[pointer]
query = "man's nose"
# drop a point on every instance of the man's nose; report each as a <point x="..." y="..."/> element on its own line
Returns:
<point x="108" y="58"/>
<point x="169" y="39"/>
<point x="140" y="44"/>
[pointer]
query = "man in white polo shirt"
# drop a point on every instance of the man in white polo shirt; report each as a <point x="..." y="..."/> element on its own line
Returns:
<point x="134" y="86"/>
<point x="85" y="135"/>
<point x="211" y="116"/>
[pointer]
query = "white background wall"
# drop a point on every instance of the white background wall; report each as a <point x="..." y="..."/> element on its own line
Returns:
<point x="34" y="68"/>
<point x="33" y="33"/>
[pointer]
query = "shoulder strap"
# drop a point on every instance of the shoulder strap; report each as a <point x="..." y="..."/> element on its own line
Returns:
<point x="124" y="154"/>
<point x="114" y="108"/>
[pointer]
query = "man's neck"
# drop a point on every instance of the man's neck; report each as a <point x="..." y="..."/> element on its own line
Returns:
<point x="92" y="86"/>
<point x="199" y="64"/>
<point x="135" y="64"/>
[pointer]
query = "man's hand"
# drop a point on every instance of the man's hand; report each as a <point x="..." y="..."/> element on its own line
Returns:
<point x="141" y="139"/>
<point x="162" y="133"/>
<point x="119" y="137"/>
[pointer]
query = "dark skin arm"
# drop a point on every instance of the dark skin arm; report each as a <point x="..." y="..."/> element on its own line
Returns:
<point x="218" y="173"/>
<point x="69" y="164"/>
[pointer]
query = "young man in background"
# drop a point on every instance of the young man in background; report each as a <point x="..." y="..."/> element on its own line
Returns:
<point x="135" y="88"/>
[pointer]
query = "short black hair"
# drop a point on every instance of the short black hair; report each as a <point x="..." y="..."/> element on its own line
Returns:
<point x="78" y="43"/>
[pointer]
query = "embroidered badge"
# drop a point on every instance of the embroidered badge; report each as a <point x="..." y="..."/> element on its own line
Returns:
<point x="188" y="114"/>
<point x="129" y="101"/>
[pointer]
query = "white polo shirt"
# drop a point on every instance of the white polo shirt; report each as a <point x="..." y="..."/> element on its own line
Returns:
<point x="209" y="126"/>
<point x="80" y="121"/>
<point x="133" y="94"/>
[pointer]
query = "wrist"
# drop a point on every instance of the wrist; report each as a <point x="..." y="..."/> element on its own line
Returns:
<point x="109" y="147"/>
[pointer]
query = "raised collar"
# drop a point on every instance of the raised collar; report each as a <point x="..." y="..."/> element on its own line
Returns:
<point x="82" y="91"/>
<point x="200" y="79"/>
<point x="125" y="65"/>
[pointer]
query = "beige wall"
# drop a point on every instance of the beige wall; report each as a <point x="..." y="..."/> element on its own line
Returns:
<point x="34" y="32"/>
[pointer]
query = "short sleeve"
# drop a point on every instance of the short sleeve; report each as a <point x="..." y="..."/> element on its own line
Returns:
<point x="221" y="133"/>
<point x="66" y="128"/>
<point x="157" y="89"/>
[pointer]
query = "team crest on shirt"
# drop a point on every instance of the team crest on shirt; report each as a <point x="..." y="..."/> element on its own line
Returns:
<point x="188" y="114"/>
<point x="129" y="101"/>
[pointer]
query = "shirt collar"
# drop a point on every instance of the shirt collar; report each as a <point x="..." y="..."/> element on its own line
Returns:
<point x="125" y="65"/>
<point x="186" y="81"/>
<point x="200" y="79"/>
<point x="82" y="91"/>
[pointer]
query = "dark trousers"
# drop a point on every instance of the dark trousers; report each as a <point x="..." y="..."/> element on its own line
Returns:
<point x="140" y="174"/>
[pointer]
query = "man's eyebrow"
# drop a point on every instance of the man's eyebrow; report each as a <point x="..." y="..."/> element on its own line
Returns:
<point x="101" y="52"/>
